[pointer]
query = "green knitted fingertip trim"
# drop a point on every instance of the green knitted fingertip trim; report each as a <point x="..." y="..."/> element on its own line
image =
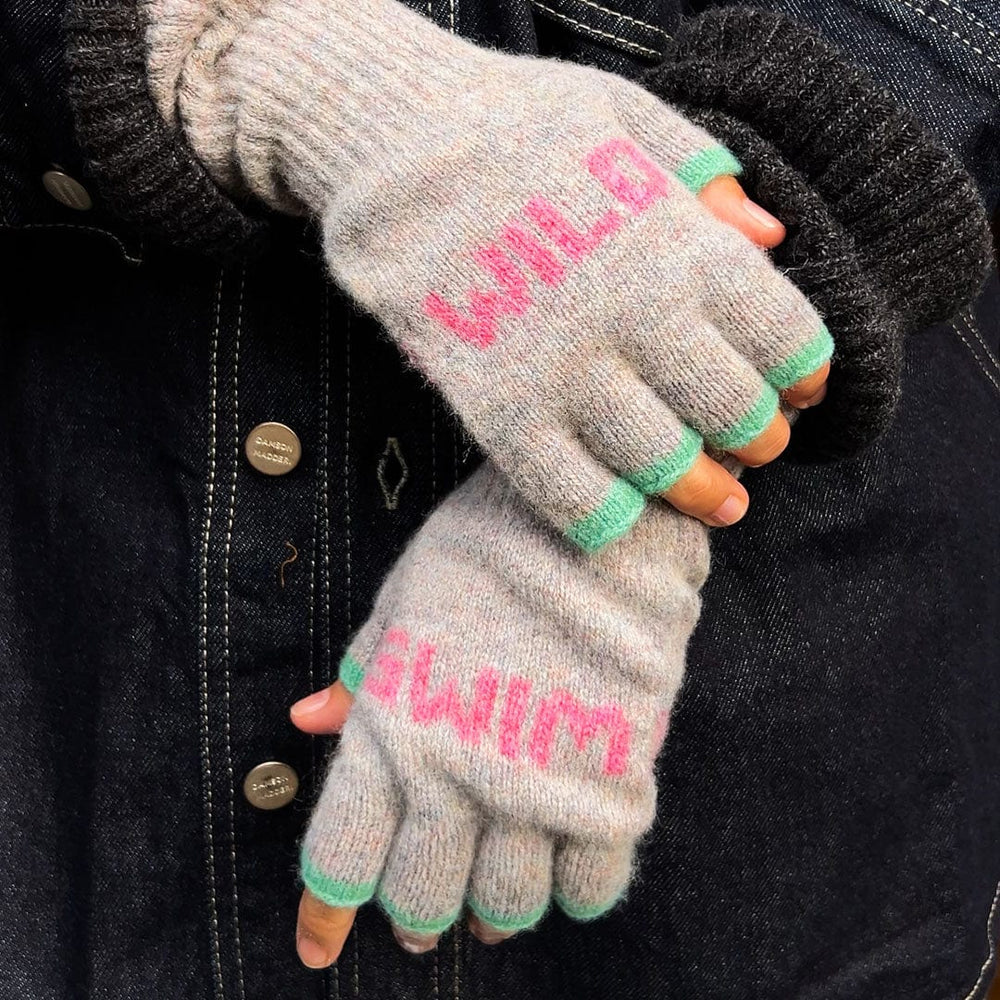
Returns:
<point x="659" y="476"/>
<point x="351" y="673"/>
<point x="749" y="426"/>
<point x="580" y="911"/>
<point x="506" y="923"/>
<point x="614" y="518"/>
<point x="332" y="891"/>
<point x="716" y="161"/>
<point x="414" y="924"/>
<point x="817" y="352"/>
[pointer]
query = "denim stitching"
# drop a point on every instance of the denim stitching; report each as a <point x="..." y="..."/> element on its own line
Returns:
<point x="982" y="367"/>
<point x="991" y="935"/>
<point x="348" y="539"/>
<point x="970" y="17"/>
<point x="588" y="29"/>
<point x="457" y="937"/>
<point x="206" y="752"/>
<point x="950" y="31"/>
<point x="972" y="326"/>
<point x="86" y="229"/>
<point x="625" y="17"/>
<point x="227" y="549"/>
<point x="324" y="479"/>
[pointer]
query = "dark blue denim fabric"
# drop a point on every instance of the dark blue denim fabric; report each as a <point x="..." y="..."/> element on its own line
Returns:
<point x="828" y="824"/>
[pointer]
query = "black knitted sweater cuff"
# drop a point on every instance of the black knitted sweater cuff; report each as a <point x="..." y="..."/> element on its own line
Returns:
<point x="142" y="166"/>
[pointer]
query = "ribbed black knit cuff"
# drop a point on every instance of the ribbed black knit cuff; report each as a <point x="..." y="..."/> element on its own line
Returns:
<point x="836" y="158"/>
<point x="912" y="208"/>
<point x="143" y="168"/>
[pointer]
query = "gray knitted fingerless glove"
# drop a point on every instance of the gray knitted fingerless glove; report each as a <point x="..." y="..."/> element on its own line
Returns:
<point x="886" y="230"/>
<point x="512" y="694"/>
<point x="543" y="260"/>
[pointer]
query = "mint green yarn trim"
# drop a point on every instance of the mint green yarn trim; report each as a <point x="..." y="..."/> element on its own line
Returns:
<point x="620" y="510"/>
<point x="659" y="476"/>
<point x="333" y="891"/>
<point x="505" y="923"/>
<point x="716" y="161"/>
<point x="579" y="911"/>
<point x="750" y="426"/>
<point x="413" y="924"/>
<point x="817" y="352"/>
<point x="351" y="673"/>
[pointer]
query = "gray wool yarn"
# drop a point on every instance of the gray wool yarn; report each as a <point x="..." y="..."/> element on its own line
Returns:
<point x="543" y="261"/>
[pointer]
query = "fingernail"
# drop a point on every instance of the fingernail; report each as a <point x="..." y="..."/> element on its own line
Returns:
<point x="311" y="953"/>
<point x="814" y="400"/>
<point x="415" y="944"/>
<point x="761" y="215"/>
<point x="312" y="703"/>
<point x="729" y="511"/>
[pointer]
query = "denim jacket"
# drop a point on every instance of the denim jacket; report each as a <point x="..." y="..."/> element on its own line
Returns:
<point x="828" y="795"/>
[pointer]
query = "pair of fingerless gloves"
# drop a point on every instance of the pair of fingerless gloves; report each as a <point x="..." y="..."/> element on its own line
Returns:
<point x="529" y="233"/>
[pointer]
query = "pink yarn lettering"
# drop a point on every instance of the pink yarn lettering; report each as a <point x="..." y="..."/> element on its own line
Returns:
<point x="515" y="708"/>
<point x="575" y="243"/>
<point x="529" y="248"/>
<point x="384" y="681"/>
<point x="479" y="326"/>
<point x="469" y="722"/>
<point x="605" y="164"/>
<point x="584" y="725"/>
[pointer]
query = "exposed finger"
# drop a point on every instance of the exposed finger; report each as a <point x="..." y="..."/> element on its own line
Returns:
<point x="805" y="391"/>
<point x="728" y="202"/>
<point x="766" y="447"/>
<point x="321" y="931"/>
<point x="413" y="941"/>
<point x="708" y="492"/>
<point x="486" y="934"/>
<point x="323" y="712"/>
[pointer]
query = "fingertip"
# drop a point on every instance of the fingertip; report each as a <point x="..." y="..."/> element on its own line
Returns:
<point x="725" y="198"/>
<point x="323" y="712"/>
<point x="321" y="931"/>
<point x="809" y="390"/>
<point x="767" y="446"/>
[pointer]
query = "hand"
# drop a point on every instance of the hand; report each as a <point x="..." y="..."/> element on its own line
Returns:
<point x="534" y="248"/>
<point x="322" y="930"/>
<point x="497" y="769"/>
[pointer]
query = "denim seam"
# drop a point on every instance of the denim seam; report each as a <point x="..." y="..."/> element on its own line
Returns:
<point x="86" y="229"/>
<point x="323" y="541"/>
<point x="226" y="657"/>
<point x="204" y="719"/>
<point x="968" y="318"/>
<point x="625" y="17"/>
<point x="991" y="936"/>
<point x="951" y="31"/>
<point x="587" y="28"/>
<point x="978" y="360"/>
<point x="348" y="539"/>
<point x="970" y="17"/>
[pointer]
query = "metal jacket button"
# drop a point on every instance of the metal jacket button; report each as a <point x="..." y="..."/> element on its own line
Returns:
<point x="273" y="449"/>
<point x="270" y="785"/>
<point x="66" y="190"/>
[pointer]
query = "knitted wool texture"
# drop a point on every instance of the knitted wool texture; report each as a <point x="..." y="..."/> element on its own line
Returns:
<point x="526" y="230"/>
<point x="886" y="230"/>
<point x="512" y="694"/>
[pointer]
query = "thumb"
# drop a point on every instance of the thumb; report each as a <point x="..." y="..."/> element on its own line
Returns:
<point x="323" y="712"/>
